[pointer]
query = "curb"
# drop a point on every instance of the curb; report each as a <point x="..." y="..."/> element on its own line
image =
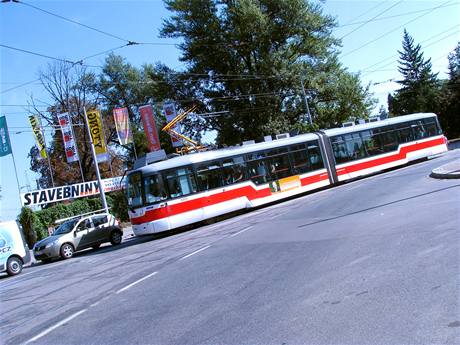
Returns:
<point x="447" y="171"/>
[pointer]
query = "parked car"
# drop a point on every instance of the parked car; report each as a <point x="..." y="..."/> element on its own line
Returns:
<point x="79" y="233"/>
<point x="14" y="252"/>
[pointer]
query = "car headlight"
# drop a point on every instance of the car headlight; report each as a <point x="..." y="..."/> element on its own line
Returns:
<point x="51" y="244"/>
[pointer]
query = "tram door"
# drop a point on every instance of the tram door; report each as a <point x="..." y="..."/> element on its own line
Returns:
<point x="328" y="156"/>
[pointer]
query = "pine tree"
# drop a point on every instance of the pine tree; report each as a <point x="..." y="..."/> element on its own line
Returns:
<point x="420" y="87"/>
<point x="450" y="114"/>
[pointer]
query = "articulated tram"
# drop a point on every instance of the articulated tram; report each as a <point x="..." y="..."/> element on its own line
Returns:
<point x="187" y="189"/>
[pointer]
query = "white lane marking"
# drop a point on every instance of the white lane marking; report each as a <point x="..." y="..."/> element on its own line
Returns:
<point x="136" y="282"/>
<point x="195" y="252"/>
<point x="60" y="323"/>
<point x="241" y="231"/>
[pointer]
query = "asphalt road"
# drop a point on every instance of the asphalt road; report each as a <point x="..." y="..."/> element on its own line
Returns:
<point x="375" y="261"/>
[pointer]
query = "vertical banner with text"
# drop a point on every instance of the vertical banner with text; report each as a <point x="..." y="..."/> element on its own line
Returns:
<point x="5" y="144"/>
<point x="169" y="110"/>
<point x="38" y="134"/>
<point x="70" y="147"/>
<point x="121" y="118"/>
<point x="150" y="128"/>
<point x="97" y="135"/>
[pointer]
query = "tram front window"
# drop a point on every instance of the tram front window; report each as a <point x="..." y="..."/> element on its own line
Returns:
<point x="134" y="190"/>
<point x="153" y="189"/>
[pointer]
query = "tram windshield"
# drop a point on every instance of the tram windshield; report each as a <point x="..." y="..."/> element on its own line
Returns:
<point x="134" y="190"/>
<point x="153" y="189"/>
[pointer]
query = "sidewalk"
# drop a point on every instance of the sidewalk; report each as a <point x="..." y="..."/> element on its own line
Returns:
<point x="447" y="171"/>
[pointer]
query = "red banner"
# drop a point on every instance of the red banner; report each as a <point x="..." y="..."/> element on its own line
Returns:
<point x="150" y="128"/>
<point x="169" y="110"/>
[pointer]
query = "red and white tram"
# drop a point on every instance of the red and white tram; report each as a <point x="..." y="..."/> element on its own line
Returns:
<point x="183" y="190"/>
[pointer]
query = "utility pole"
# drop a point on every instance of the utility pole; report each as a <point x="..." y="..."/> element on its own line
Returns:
<point x="93" y="152"/>
<point x="310" y="121"/>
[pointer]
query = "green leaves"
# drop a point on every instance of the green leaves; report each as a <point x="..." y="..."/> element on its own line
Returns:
<point x="420" y="88"/>
<point x="252" y="56"/>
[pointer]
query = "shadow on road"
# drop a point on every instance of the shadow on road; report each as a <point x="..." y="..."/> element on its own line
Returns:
<point x="378" y="206"/>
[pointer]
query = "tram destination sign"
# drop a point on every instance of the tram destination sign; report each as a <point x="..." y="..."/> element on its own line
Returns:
<point x="78" y="190"/>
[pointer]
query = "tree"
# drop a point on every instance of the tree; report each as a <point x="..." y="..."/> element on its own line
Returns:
<point x="69" y="88"/>
<point x="450" y="114"/>
<point x="246" y="59"/>
<point x="420" y="89"/>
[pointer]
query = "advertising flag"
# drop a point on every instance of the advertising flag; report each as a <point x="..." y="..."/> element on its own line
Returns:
<point x="121" y="118"/>
<point x="97" y="134"/>
<point x="70" y="147"/>
<point x="150" y="128"/>
<point x="38" y="134"/>
<point x="169" y="110"/>
<point x="5" y="144"/>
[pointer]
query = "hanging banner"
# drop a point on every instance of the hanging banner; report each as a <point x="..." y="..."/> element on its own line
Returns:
<point x="78" y="190"/>
<point x="38" y="134"/>
<point x="70" y="147"/>
<point x="150" y="128"/>
<point x="169" y="110"/>
<point x="97" y="134"/>
<point x="5" y="143"/>
<point x="121" y="118"/>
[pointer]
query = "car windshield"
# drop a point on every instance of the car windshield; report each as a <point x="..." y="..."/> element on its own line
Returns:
<point x="66" y="227"/>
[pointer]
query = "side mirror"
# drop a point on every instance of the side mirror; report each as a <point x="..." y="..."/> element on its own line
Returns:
<point x="75" y="233"/>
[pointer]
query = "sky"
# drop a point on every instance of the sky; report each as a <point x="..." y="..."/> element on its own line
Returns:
<point x="371" y="33"/>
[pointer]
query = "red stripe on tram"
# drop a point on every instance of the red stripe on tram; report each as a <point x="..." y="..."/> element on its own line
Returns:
<point x="251" y="193"/>
<point x="402" y="154"/>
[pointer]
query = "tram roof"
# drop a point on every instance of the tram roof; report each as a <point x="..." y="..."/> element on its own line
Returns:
<point x="226" y="152"/>
<point x="247" y="148"/>
<point x="371" y="125"/>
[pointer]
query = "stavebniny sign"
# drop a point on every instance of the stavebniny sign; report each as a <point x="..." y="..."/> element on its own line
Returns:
<point x="78" y="190"/>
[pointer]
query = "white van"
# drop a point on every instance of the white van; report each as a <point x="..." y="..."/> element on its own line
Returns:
<point x="14" y="252"/>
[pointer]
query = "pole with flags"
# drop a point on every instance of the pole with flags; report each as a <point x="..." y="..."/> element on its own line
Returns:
<point x="96" y="165"/>
<point x="5" y="149"/>
<point x="73" y="134"/>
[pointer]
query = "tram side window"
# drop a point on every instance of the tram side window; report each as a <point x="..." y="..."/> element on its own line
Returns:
<point x="419" y="130"/>
<point x="209" y="175"/>
<point x="233" y="170"/>
<point x="354" y="146"/>
<point x="180" y="182"/>
<point x="134" y="190"/>
<point x="153" y="189"/>
<point x="340" y="149"/>
<point x="405" y="132"/>
<point x="278" y="163"/>
<point x="299" y="158"/>
<point x="389" y="139"/>
<point x="314" y="153"/>
<point x="431" y="127"/>
<point x="257" y="172"/>
<point x="372" y="142"/>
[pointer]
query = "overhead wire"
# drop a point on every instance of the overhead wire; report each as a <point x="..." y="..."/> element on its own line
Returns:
<point x="370" y="20"/>
<point x="35" y="53"/>
<point x="367" y="72"/>
<point x="366" y="12"/>
<point x="397" y="15"/>
<point x="393" y="30"/>
<point x="71" y="21"/>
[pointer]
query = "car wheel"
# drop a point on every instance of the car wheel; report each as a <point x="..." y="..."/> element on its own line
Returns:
<point x="96" y="246"/>
<point x="115" y="238"/>
<point x="66" y="251"/>
<point x="13" y="266"/>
